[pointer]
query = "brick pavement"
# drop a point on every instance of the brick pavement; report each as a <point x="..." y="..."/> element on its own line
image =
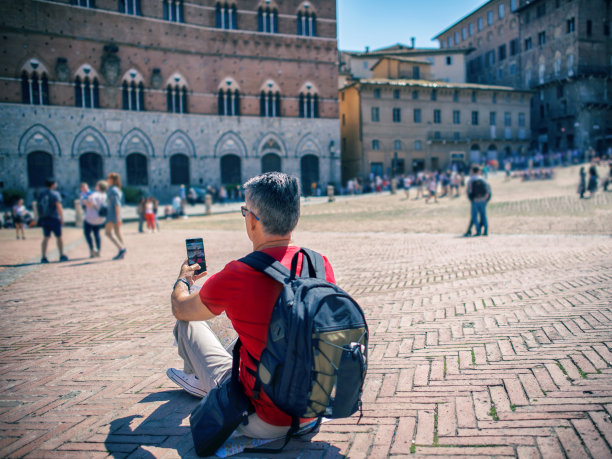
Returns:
<point x="479" y="347"/>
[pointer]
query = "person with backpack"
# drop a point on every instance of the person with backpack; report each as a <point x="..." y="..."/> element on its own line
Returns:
<point x="51" y="219"/>
<point x="479" y="193"/>
<point x="251" y="292"/>
<point x="95" y="217"/>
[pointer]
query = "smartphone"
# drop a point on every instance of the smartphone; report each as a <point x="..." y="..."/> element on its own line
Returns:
<point x="195" y="253"/>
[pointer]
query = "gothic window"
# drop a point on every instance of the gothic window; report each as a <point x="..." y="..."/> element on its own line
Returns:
<point x="229" y="102"/>
<point x="231" y="170"/>
<point x="137" y="172"/>
<point x="176" y="97"/>
<point x="40" y="168"/>
<point x="306" y="23"/>
<point x="270" y="162"/>
<point x="133" y="92"/>
<point x="90" y="166"/>
<point x="267" y="20"/>
<point x="86" y="92"/>
<point x="131" y="7"/>
<point x="179" y="169"/>
<point x="225" y="15"/>
<point x="309" y="168"/>
<point x="309" y="105"/>
<point x="173" y="10"/>
<point x="269" y="104"/>
<point x="34" y="88"/>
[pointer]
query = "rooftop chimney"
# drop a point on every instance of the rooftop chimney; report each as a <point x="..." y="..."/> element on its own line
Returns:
<point x="412" y="42"/>
<point x="367" y="49"/>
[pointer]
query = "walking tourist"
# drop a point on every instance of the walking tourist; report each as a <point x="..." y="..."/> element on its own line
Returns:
<point x="582" y="183"/>
<point x="479" y="193"/>
<point x="19" y="217"/>
<point x="140" y="209"/>
<point x="51" y="219"/>
<point x="95" y="216"/>
<point x="113" y="217"/>
<point x="150" y="215"/>
<point x="593" y="180"/>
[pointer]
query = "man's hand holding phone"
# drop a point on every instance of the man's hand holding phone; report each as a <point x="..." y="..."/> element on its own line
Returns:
<point x="189" y="272"/>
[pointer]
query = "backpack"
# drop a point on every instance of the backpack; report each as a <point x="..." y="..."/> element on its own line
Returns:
<point x="315" y="360"/>
<point x="46" y="205"/>
<point x="479" y="189"/>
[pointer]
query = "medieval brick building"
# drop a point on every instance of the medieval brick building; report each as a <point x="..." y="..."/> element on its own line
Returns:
<point x="167" y="92"/>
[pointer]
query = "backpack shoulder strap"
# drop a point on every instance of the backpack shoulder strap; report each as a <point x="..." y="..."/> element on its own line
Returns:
<point x="268" y="265"/>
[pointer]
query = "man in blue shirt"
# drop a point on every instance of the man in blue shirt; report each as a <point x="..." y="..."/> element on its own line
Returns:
<point x="51" y="219"/>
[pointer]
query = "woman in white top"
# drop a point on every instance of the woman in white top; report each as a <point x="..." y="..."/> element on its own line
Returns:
<point x="95" y="204"/>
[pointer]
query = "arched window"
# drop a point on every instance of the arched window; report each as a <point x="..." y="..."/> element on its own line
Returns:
<point x="85" y="3"/>
<point x="306" y="22"/>
<point x="229" y="102"/>
<point x="231" y="170"/>
<point x="131" y="7"/>
<point x="40" y="168"/>
<point x="86" y="92"/>
<point x="270" y="162"/>
<point x="267" y="19"/>
<point x="90" y="166"/>
<point x="133" y="92"/>
<point x="176" y="98"/>
<point x="225" y="15"/>
<point x="173" y="10"/>
<point x="179" y="169"/>
<point x="269" y="104"/>
<point x="309" y="105"/>
<point x="309" y="166"/>
<point x="34" y="88"/>
<point x="137" y="172"/>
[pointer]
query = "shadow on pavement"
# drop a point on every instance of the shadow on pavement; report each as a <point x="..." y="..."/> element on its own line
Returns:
<point x="165" y="429"/>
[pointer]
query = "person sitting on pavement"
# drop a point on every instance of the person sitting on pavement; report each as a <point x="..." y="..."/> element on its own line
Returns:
<point x="247" y="296"/>
<point x="479" y="193"/>
<point x="51" y="219"/>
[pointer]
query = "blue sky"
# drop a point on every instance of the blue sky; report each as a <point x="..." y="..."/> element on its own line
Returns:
<point x="379" y="23"/>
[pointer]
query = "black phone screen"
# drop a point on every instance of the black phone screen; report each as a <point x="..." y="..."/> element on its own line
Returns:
<point x="195" y="253"/>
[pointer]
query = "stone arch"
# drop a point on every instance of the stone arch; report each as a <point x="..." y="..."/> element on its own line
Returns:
<point x="270" y="85"/>
<point x="228" y="83"/>
<point x="177" y="79"/>
<point x="86" y="71"/>
<point x="34" y="65"/>
<point x="179" y="142"/>
<point x="136" y="141"/>
<point x="38" y="138"/>
<point x="306" y="6"/>
<point x="230" y="143"/>
<point x="308" y="144"/>
<point x="271" y="143"/>
<point x="90" y="140"/>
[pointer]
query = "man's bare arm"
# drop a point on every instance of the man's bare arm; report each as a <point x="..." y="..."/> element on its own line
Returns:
<point x="188" y="306"/>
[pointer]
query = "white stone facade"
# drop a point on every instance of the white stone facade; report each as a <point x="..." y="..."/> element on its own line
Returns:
<point x="66" y="133"/>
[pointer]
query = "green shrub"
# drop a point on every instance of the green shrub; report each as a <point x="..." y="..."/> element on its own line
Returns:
<point x="11" y="195"/>
<point x="132" y="194"/>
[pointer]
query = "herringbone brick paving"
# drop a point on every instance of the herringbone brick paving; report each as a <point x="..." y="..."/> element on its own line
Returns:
<point x="489" y="347"/>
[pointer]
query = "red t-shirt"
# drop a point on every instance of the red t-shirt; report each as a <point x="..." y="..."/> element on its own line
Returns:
<point x="248" y="296"/>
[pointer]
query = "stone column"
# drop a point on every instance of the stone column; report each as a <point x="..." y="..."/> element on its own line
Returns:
<point x="330" y="193"/>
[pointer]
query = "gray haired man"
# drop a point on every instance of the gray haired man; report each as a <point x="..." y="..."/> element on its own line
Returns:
<point x="247" y="296"/>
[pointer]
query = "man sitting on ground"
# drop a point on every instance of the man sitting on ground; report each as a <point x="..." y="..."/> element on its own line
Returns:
<point x="247" y="296"/>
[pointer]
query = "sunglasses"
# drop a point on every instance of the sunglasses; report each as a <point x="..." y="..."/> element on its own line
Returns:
<point x="244" y="211"/>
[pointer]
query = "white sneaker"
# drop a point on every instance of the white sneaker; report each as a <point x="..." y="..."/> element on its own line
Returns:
<point x="189" y="382"/>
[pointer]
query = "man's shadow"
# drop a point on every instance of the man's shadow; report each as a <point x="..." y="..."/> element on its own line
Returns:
<point x="163" y="429"/>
